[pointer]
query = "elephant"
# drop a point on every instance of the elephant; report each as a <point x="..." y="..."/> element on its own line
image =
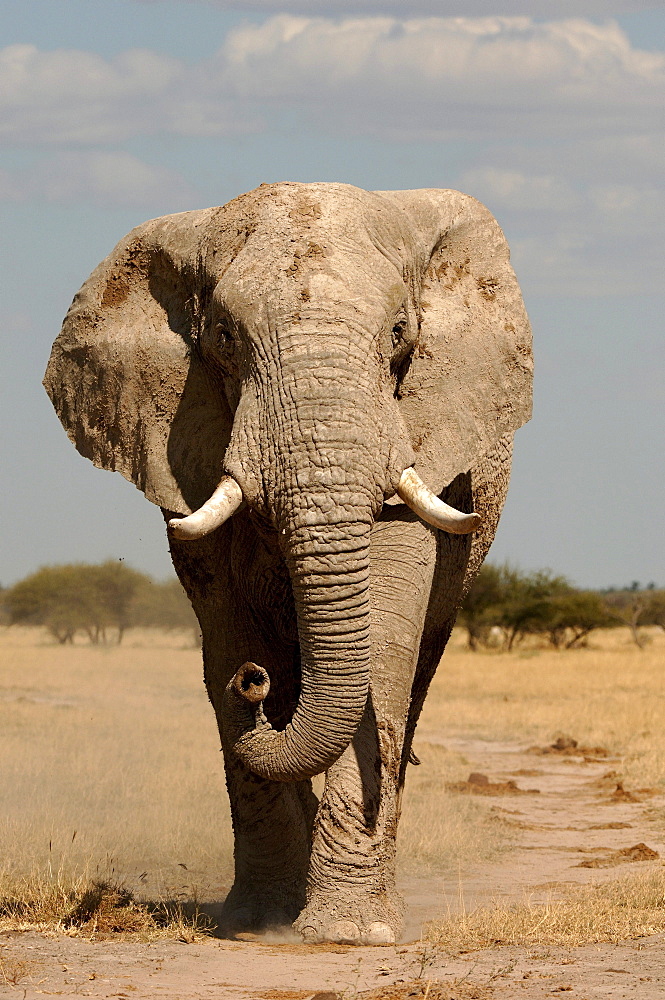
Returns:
<point x="319" y="386"/>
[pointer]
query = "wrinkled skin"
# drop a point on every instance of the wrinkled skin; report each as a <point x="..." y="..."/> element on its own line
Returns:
<point x="313" y="342"/>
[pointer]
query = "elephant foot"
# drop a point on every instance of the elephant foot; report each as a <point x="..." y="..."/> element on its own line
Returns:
<point x="252" y="908"/>
<point x="332" y="918"/>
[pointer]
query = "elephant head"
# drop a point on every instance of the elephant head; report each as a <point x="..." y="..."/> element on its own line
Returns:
<point x="311" y="350"/>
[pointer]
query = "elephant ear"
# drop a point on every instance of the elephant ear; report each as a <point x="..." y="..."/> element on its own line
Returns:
<point x="470" y="377"/>
<point x="125" y="375"/>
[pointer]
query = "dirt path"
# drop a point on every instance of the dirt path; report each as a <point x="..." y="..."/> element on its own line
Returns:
<point x="576" y="818"/>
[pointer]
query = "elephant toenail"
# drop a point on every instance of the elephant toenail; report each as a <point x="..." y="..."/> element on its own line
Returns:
<point x="343" y="932"/>
<point x="379" y="933"/>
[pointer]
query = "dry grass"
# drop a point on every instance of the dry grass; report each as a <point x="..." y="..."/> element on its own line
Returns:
<point x="110" y="774"/>
<point x="110" y="771"/>
<point x="110" y="768"/>
<point x="611" y="694"/>
<point x="630" y="907"/>
<point x="440" y="830"/>
<point x="92" y="907"/>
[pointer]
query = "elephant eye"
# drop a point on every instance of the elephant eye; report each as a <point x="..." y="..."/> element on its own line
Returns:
<point x="399" y="331"/>
<point x="223" y="334"/>
<point x="221" y="344"/>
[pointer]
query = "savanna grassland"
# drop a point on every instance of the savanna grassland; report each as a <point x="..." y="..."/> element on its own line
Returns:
<point x="611" y="693"/>
<point x="111" y="774"/>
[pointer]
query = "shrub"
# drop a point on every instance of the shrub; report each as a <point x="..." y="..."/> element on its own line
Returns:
<point x="77" y="597"/>
<point x="537" y="603"/>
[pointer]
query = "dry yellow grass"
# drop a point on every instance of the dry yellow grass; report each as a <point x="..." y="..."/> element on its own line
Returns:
<point x="92" y="907"/>
<point x="629" y="907"/>
<point x="110" y="770"/>
<point x="440" y="830"/>
<point x="110" y="766"/>
<point x="611" y="694"/>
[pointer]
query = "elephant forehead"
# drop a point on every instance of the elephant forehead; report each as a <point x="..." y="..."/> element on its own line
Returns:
<point x="268" y="282"/>
<point x="308" y="221"/>
<point x="340" y="206"/>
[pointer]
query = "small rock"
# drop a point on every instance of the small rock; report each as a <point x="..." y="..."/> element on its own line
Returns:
<point x="478" y="779"/>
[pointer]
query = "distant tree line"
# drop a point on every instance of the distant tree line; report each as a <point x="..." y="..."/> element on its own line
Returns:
<point x="505" y="605"/>
<point x="100" y="601"/>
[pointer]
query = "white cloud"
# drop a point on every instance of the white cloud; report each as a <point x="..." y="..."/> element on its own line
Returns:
<point x="611" y="203"/>
<point x="620" y="159"/>
<point x="106" y="178"/>
<point x="576" y="238"/>
<point x="435" y="77"/>
<point x="76" y="97"/>
<point x="561" y="117"/>
<point x="515" y="191"/>
<point x="423" y="77"/>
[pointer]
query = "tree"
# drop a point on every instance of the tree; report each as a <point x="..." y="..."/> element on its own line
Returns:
<point x="654" y="613"/>
<point x="482" y="607"/>
<point x="528" y="606"/>
<point x="636" y="608"/>
<point x="165" y="605"/>
<point x="116" y="588"/>
<point x="57" y="597"/>
<point x="538" y="603"/>
<point x="78" y="597"/>
<point x="567" y="618"/>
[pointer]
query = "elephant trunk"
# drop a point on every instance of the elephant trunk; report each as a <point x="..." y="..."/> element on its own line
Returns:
<point x="320" y="419"/>
<point x="329" y="568"/>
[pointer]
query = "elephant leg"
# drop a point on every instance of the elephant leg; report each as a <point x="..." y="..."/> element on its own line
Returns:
<point x="272" y="825"/>
<point x="351" y="891"/>
<point x="272" y="821"/>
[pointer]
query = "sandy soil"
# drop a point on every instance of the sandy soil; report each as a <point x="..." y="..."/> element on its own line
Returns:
<point x="571" y="830"/>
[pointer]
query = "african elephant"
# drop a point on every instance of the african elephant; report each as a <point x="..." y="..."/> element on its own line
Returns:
<point x="342" y="371"/>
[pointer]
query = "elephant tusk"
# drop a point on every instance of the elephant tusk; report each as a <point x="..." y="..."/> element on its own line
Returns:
<point x="426" y="505"/>
<point x="222" y="504"/>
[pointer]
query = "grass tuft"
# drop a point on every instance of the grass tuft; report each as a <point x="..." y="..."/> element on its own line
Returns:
<point x="630" y="907"/>
<point x="93" y="908"/>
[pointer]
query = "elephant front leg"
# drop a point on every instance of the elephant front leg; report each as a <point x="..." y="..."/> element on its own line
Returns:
<point x="351" y="889"/>
<point x="351" y="893"/>
<point x="272" y="824"/>
<point x="272" y="820"/>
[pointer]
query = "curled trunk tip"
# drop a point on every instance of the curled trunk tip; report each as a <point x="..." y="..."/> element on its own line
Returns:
<point x="252" y="683"/>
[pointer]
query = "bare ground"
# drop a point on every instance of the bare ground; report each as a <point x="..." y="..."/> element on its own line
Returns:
<point x="578" y="827"/>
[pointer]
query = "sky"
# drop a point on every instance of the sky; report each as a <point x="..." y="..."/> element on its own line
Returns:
<point x="550" y="112"/>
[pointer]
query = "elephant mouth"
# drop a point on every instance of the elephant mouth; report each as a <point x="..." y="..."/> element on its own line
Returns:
<point x="227" y="498"/>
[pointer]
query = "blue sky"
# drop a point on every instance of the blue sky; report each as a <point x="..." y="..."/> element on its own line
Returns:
<point x="550" y="112"/>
